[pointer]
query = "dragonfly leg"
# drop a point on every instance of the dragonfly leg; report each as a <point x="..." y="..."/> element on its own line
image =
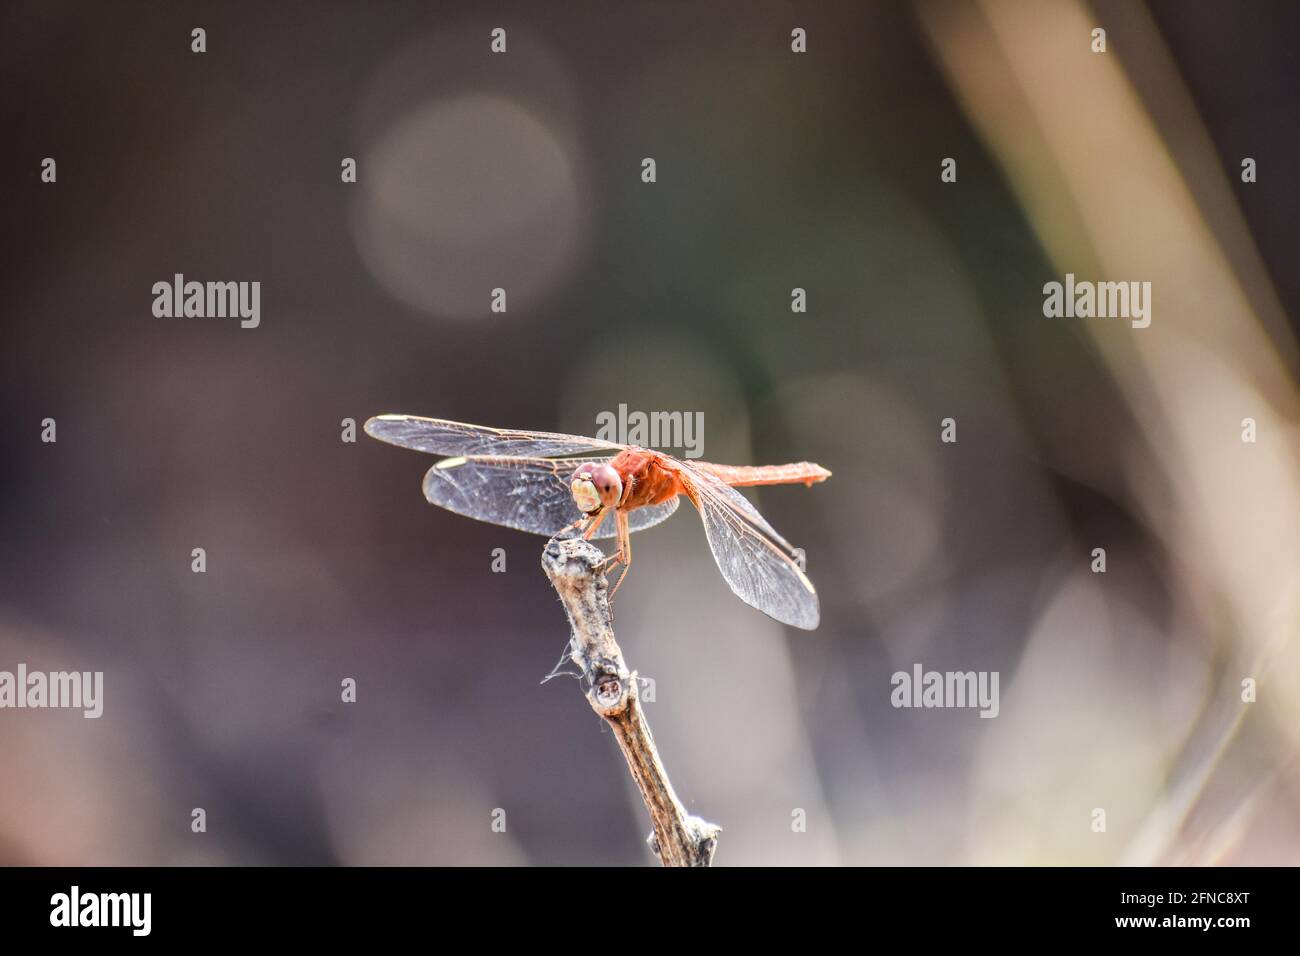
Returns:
<point x="593" y="523"/>
<point x="576" y="527"/>
<point x="624" y="554"/>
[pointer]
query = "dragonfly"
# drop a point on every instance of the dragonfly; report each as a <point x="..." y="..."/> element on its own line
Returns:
<point x="546" y="483"/>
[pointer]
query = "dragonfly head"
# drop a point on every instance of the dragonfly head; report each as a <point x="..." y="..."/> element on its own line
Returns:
<point x="595" y="487"/>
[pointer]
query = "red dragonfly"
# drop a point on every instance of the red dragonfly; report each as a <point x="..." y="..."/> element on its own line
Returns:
<point x="544" y="482"/>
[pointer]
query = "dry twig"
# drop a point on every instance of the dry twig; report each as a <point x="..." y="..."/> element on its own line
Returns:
<point x="574" y="567"/>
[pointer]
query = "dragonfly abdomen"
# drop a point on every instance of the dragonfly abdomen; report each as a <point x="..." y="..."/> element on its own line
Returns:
<point x="744" y="476"/>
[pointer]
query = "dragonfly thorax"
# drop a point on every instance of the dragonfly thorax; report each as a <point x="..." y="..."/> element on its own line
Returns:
<point x="595" y="487"/>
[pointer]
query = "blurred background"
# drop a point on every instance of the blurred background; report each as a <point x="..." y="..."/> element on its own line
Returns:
<point x="775" y="170"/>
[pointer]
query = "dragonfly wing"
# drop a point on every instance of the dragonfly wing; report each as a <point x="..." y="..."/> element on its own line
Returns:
<point x="734" y="499"/>
<point x="439" y="437"/>
<point x="530" y="494"/>
<point x="638" y="519"/>
<point x="753" y="559"/>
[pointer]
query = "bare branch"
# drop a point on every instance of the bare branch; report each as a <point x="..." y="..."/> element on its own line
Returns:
<point x="574" y="567"/>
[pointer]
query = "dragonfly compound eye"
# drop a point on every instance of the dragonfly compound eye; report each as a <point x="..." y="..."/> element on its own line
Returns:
<point x="608" y="484"/>
<point x="595" y="487"/>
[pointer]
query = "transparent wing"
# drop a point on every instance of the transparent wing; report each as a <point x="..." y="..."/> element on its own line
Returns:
<point x="530" y="494"/>
<point x="753" y="558"/>
<point x="439" y="437"/>
<point x="638" y="519"/>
